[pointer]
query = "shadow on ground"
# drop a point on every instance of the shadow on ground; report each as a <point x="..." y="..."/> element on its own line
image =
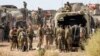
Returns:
<point x="1" y="45"/>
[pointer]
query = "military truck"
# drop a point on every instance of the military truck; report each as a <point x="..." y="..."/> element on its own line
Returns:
<point x="75" y="18"/>
<point x="11" y="16"/>
<point x="71" y="18"/>
<point x="5" y="20"/>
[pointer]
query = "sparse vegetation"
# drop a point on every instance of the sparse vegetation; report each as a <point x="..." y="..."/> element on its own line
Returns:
<point x="41" y="52"/>
<point x="93" y="45"/>
<point x="44" y="52"/>
<point x="51" y="53"/>
<point x="3" y="54"/>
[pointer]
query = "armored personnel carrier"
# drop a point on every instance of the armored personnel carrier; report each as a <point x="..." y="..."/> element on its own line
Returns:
<point x="72" y="18"/>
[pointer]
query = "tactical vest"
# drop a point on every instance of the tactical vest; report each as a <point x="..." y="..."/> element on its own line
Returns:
<point x="14" y="33"/>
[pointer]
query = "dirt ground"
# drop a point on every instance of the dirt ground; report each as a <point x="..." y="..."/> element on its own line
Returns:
<point x="5" y="49"/>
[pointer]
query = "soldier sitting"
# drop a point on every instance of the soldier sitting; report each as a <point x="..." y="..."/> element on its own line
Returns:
<point x="67" y="7"/>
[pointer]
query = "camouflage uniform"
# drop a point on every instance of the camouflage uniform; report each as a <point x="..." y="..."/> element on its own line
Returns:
<point x="30" y="35"/>
<point x="52" y="35"/>
<point x="68" y="38"/>
<point x="49" y="36"/>
<point x="23" y="40"/>
<point x="41" y="36"/>
<point x="67" y="8"/>
<point x="60" y="38"/>
<point x="19" y="38"/>
<point x="13" y="38"/>
<point x="40" y="17"/>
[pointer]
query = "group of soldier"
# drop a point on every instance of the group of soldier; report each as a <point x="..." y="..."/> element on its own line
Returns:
<point x="21" y="38"/>
<point x="65" y="37"/>
<point x="69" y="37"/>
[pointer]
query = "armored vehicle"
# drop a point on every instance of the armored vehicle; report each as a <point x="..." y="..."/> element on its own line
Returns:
<point x="72" y="18"/>
<point x="80" y="28"/>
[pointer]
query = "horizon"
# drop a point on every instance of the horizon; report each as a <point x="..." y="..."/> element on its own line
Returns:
<point x="44" y="4"/>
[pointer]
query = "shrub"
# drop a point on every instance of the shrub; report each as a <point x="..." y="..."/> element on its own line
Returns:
<point x="93" y="45"/>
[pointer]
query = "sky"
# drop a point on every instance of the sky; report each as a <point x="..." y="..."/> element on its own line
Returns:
<point x="44" y="4"/>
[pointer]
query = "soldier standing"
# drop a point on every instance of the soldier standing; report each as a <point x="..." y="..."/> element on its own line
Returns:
<point x="49" y="36"/>
<point x="23" y="40"/>
<point x="41" y="36"/>
<point x="25" y="4"/>
<point x="60" y="37"/>
<point x="68" y="38"/>
<point x="13" y="37"/>
<point x="19" y="38"/>
<point x="40" y="16"/>
<point x="25" y="12"/>
<point x="30" y="35"/>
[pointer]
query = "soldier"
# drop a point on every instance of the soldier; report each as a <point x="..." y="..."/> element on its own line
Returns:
<point x="19" y="39"/>
<point x="68" y="38"/>
<point x="13" y="37"/>
<point x="40" y="17"/>
<point x="25" y="4"/>
<point x="30" y="35"/>
<point x="60" y="37"/>
<point x="82" y="36"/>
<point x="23" y="40"/>
<point x="41" y="36"/>
<point x="67" y="7"/>
<point x="49" y="36"/>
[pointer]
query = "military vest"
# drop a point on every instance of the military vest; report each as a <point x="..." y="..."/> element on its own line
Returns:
<point x="14" y="33"/>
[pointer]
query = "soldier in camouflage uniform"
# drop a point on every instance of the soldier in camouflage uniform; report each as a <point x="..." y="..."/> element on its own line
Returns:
<point x="41" y="36"/>
<point x="23" y="40"/>
<point x="49" y="36"/>
<point x="52" y="35"/>
<point x="60" y="38"/>
<point x="67" y="7"/>
<point x="39" y="17"/>
<point x="13" y="37"/>
<point x="30" y="35"/>
<point x="68" y="38"/>
<point x="19" y="38"/>
<point x="25" y="4"/>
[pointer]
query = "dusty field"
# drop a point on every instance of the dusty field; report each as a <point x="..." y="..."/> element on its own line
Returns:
<point x="5" y="51"/>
